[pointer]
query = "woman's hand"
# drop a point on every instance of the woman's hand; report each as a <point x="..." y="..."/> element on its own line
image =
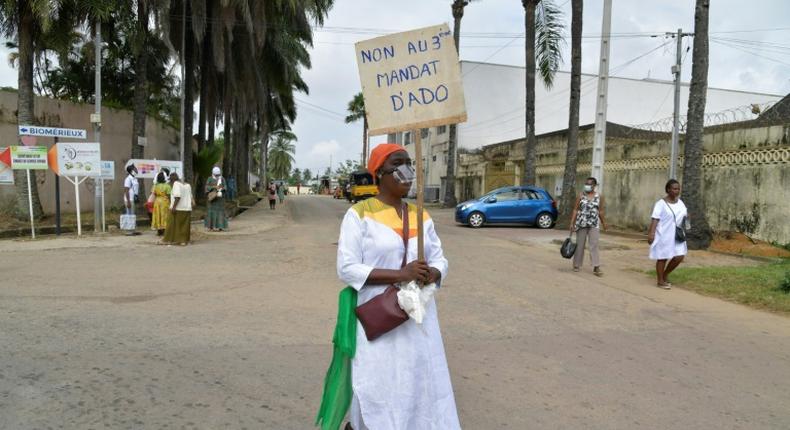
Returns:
<point x="416" y="271"/>
<point x="650" y="238"/>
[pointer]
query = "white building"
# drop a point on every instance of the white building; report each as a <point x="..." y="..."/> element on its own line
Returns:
<point x="495" y="108"/>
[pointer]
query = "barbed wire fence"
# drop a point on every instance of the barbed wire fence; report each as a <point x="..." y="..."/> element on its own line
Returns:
<point x="750" y="112"/>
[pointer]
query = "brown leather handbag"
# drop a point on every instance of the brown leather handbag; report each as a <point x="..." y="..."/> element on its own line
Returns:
<point x="382" y="313"/>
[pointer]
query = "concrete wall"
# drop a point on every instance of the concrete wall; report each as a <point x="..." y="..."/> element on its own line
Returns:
<point x="746" y="181"/>
<point x="116" y="140"/>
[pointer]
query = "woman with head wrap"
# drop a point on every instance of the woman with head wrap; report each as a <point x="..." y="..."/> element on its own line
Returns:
<point x="178" y="230"/>
<point x="161" y="211"/>
<point x="215" y="195"/>
<point x="399" y="380"/>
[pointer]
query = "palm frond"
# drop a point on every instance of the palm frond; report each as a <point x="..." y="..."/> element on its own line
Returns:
<point x="549" y="40"/>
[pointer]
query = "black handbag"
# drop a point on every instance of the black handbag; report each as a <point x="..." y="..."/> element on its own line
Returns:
<point x="680" y="232"/>
<point x="568" y="247"/>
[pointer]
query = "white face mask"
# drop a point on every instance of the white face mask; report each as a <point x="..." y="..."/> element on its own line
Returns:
<point x="588" y="188"/>
<point x="404" y="174"/>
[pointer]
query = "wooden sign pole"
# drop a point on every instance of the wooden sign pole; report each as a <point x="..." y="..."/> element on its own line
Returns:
<point x="420" y="194"/>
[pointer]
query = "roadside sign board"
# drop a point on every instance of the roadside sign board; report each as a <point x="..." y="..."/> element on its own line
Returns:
<point x="147" y="169"/>
<point x="26" y="157"/>
<point x="108" y="170"/>
<point x="6" y="173"/>
<point x="65" y="133"/>
<point x="75" y="159"/>
<point x="411" y="80"/>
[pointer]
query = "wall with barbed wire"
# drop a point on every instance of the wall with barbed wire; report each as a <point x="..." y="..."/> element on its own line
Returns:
<point x="746" y="164"/>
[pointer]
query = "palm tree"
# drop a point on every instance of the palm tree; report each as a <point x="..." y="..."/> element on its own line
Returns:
<point x="571" y="155"/>
<point x="457" y="8"/>
<point x="700" y="235"/>
<point x="356" y="111"/>
<point x="281" y="153"/>
<point x="23" y="20"/>
<point x="542" y="21"/>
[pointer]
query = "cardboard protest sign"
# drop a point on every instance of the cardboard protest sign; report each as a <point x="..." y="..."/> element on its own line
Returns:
<point x="411" y="80"/>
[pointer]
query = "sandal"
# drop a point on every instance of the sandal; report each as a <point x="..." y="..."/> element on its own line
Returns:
<point x="665" y="285"/>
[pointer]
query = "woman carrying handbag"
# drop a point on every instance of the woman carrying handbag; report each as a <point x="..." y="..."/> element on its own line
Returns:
<point x="399" y="380"/>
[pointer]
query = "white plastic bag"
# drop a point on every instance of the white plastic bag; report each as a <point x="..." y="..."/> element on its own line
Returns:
<point x="128" y="222"/>
<point x="414" y="300"/>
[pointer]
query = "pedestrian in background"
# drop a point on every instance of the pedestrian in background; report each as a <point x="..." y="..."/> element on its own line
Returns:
<point x="179" y="225"/>
<point x="587" y="220"/>
<point x="161" y="204"/>
<point x="669" y="213"/>
<point x="131" y="189"/>
<point x="281" y="192"/>
<point x="215" y="196"/>
<point x="272" y="192"/>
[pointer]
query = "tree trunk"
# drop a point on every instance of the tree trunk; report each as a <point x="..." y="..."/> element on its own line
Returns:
<point x="243" y="178"/>
<point x="25" y="110"/>
<point x="141" y="83"/>
<point x="530" y="147"/>
<point x="700" y="235"/>
<point x="449" y="179"/>
<point x="571" y="155"/>
<point x="263" y="149"/>
<point x="228" y="150"/>
<point x="189" y="85"/>
<point x="205" y="65"/>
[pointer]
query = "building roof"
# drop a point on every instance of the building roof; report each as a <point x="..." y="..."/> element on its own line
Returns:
<point x="495" y="97"/>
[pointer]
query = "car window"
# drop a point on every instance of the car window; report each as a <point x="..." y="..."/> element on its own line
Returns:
<point x="506" y="196"/>
<point x="533" y="195"/>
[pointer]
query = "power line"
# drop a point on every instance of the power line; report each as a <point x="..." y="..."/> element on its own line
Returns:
<point x="729" y="45"/>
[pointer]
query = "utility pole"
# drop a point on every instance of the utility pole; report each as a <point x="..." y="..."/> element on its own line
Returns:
<point x="673" y="155"/>
<point x="599" y="137"/>
<point x="98" y="225"/>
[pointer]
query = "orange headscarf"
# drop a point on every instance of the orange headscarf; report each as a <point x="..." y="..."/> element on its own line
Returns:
<point x="379" y="155"/>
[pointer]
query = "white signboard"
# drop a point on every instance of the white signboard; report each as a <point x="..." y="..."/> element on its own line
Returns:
<point x="66" y="133"/>
<point x="142" y="140"/>
<point x="147" y="169"/>
<point x="6" y="173"/>
<point x="411" y="80"/>
<point x="75" y="159"/>
<point x="108" y="170"/>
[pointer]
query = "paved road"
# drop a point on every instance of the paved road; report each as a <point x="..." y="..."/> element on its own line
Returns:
<point x="234" y="332"/>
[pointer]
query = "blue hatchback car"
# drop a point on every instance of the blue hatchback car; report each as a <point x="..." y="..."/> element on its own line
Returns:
<point x="530" y="205"/>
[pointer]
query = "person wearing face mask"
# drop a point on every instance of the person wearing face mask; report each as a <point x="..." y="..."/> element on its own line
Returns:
<point x="399" y="380"/>
<point x="666" y="248"/>
<point x="131" y="189"/>
<point x="215" y="195"/>
<point x="587" y="220"/>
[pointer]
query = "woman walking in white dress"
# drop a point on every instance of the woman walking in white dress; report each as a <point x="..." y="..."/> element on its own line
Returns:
<point x="400" y="380"/>
<point x="665" y="248"/>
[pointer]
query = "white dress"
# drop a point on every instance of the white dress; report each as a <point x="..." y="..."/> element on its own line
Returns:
<point x="400" y="380"/>
<point x="665" y="246"/>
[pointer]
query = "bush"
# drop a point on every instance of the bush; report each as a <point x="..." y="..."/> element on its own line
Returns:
<point x="784" y="284"/>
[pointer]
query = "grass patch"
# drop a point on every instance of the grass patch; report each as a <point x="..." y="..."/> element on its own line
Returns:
<point x="765" y="286"/>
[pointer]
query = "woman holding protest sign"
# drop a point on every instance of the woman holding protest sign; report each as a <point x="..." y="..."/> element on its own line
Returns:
<point x="400" y="379"/>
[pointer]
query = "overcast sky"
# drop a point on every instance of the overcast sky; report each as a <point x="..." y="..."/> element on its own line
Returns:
<point x="734" y="64"/>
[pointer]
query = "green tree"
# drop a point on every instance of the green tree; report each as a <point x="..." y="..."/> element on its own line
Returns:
<point x="543" y="28"/>
<point x="307" y="176"/>
<point x="572" y="153"/>
<point x="356" y="111"/>
<point x="347" y="167"/>
<point x="700" y="236"/>
<point x="23" y="20"/>
<point x="281" y="154"/>
<point x="296" y="176"/>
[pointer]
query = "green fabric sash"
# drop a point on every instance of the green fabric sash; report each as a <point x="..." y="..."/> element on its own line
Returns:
<point x="337" y="384"/>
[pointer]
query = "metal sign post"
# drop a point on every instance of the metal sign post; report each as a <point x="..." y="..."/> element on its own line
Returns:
<point x="30" y="206"/>
<point x="77" y="183"/>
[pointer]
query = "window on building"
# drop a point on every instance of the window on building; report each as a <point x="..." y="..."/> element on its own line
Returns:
<point x="442" y="129"/>
<point x="407" y="138"/>
<point x="434" y="158"/>
<point x="424" y="133"/>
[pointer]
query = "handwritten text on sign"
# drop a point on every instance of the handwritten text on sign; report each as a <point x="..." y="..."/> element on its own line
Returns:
<point x="411" y="80"/>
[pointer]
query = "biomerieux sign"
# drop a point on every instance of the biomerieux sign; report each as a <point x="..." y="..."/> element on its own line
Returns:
<point x="411" y="80"/>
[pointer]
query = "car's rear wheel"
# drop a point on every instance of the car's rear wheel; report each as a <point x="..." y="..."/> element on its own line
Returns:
<point x="544" y="220"/>
<point x="476" y="219"/>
